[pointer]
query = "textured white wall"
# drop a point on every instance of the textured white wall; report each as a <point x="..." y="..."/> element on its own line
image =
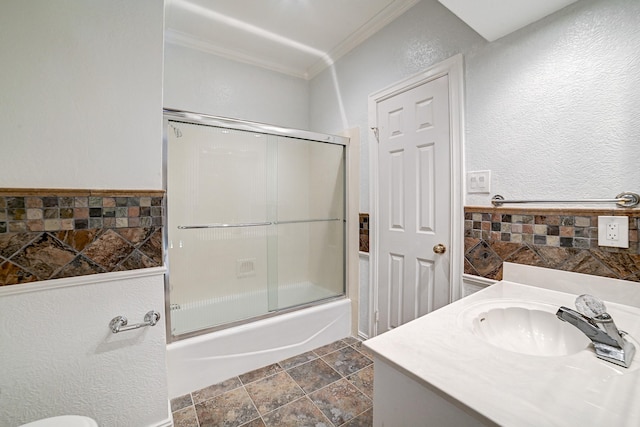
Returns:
<point x="60" y="357"/>
<point x="427" y="34"/>
<point x="81" y="107"/>
<point x="205" y="83"/>
<point x="551" y="109"/>
<point x="554" y="110"/>
<point x="81" y="86"/>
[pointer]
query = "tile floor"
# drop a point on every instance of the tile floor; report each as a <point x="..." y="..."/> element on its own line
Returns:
<point x="329" y="386"/>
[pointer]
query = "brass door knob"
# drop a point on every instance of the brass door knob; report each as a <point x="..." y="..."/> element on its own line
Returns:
<point x="439" y="248"/>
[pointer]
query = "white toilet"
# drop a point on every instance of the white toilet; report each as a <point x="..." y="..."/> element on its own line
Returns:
<point x="63" y="421"/>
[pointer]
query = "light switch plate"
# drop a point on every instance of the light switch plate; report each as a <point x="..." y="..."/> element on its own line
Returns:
<point x="613" y="231"/>
<point x="479" y="182"/>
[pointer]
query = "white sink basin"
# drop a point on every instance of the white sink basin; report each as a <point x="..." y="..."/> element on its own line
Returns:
<point x="502" y="356"/>
<point x="524" y="327"/>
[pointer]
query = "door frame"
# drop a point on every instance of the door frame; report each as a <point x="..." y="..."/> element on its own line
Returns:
<point x="454" y="68"/>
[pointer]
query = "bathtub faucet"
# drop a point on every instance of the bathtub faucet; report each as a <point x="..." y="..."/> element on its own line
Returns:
<point x="594" y="321"/>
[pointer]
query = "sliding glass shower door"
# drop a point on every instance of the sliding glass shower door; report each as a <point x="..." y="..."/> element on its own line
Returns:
<point x="255" y="224"/>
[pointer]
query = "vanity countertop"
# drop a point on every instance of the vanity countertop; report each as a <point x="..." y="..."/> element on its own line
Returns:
<point x="441" y="352"/>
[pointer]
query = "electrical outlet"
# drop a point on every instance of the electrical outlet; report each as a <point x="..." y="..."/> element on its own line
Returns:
<point x="613" y="231"/>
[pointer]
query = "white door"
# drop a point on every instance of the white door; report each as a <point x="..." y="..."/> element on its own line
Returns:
<point x="414" y="203"/>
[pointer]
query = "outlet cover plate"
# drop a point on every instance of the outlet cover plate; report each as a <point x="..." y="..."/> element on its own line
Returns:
<point x="613" y="231"/>
<point x="479" y="182"/>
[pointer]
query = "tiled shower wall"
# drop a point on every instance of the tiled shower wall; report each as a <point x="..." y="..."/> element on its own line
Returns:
<point x="50" y="234"/>
<point x="562" y="239"/>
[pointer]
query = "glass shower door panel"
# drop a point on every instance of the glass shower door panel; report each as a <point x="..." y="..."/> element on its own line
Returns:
<point x="310" y="262"/>
<point x="310" y="180"/>
<point x="217" y="226"/>
<point x="310" y="221"/>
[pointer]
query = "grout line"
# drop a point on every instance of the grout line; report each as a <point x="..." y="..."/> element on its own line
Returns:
<point x="254" y="405"/>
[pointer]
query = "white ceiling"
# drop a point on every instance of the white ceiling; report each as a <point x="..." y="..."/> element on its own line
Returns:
<point x="295" y="37"/>
<point x="493" y="19"/>
<point x="303" y="37"/>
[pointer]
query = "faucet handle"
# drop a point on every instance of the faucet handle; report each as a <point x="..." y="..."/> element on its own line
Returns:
<point x="595" y="309"/>
<point x="590" y="306"/>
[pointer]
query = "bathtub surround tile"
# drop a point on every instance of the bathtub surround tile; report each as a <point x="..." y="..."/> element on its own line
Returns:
<point x="299" y="391"/>
<point x="47" y="234"/>
<point x="563" y="239"/>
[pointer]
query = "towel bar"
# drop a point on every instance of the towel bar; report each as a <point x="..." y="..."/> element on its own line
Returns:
<point x="624" y="200"/>
<point x="119" y="323"/>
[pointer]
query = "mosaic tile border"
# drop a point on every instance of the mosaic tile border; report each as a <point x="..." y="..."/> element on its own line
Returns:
<point x="52" y="211"/>
<point x="50" y="234"/>
<point x="564" y="239"/>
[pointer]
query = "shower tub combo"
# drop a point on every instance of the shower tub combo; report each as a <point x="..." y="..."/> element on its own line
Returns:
<point x="255" y="246"/>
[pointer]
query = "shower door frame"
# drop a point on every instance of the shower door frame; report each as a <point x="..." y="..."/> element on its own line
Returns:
<point x="190" y="117"/>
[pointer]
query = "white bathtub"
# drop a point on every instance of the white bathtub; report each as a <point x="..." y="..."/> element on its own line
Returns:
<point x="200" y="361"/>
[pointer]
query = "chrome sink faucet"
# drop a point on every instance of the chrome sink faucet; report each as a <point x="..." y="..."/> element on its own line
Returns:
<point x="594" y="321"/>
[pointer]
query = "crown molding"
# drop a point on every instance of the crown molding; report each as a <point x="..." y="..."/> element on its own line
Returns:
<point x="379" y="21"/>
<point x="382" y="19"/>
<point x="180" y="38"/>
